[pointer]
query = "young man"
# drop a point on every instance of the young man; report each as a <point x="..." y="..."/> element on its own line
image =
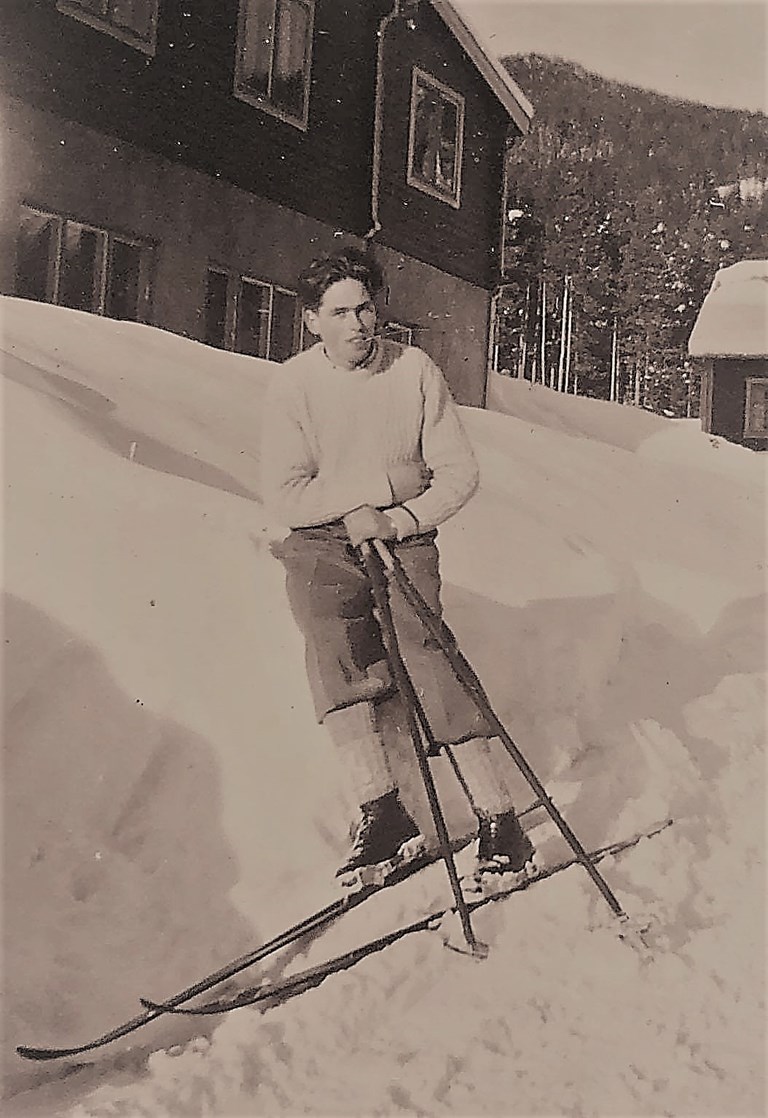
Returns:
<point x="361" y="441"/>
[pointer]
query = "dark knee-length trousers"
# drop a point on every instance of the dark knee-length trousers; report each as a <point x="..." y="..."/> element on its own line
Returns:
<point x="332" y="602"/>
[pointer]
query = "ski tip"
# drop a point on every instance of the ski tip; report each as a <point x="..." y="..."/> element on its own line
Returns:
<point x="27" y="1053"/>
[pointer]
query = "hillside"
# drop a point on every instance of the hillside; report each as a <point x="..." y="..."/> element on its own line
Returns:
<point x="625" y="203"/>
<point x="170" y="802"/>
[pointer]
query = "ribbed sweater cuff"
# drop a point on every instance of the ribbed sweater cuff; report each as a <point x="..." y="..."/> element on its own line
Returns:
<point x="404" y="521"/>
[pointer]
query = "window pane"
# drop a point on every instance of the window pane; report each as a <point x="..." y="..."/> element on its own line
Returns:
<point x="256" y="45"/>
<point x="436" y="137"/>
<point x="34" y="259"/>
<point x="283" y="336"/>
<point x="426" y="133"/>
<point x="78" y="286"/>
<point x="445" y="168"/>
<point x="252" y="334"/>
<point x="123" y="280"/>
<point x="134" y="15"/>
<point x="757" y="419"/>
<point x="291" y="57"/>
<point x="215" y="309"/>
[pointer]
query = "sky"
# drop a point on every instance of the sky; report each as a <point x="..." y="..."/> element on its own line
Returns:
<point x="714" y="52"/>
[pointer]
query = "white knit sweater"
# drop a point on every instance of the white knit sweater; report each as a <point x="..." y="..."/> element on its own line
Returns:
<point x="331" y="436"/>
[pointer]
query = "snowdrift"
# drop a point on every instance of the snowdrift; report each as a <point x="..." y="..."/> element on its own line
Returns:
<point x="169" y="801"/>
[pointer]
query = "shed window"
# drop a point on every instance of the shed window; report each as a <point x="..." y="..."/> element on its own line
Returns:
<point x="251" y="316"/>
<point x="77" y="265"/>
<point x="274" y="57"/>
<point x="132" y="21"/>
<point x="756" y="419"/>
<point x="436" y="137"/>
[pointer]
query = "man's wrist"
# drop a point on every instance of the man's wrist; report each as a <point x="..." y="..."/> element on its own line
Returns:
<point x="405" y="523"/>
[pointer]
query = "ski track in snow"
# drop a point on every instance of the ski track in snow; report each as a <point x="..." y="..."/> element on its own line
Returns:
<point x="170" y="802"/>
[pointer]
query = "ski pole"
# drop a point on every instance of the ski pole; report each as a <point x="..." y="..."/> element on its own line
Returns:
<point x="411" y="702"/>
<point x="469" y="680"/>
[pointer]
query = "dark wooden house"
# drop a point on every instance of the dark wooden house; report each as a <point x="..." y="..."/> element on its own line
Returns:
<point x="731" y="337"/>
<point x="179" y="161"/>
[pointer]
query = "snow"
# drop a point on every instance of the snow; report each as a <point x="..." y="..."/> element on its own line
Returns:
<point x="170" y="802"/>
<point x="733" y="320"/>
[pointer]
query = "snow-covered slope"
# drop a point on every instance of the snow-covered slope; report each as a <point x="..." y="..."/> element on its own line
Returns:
<point x="169" y="800"/>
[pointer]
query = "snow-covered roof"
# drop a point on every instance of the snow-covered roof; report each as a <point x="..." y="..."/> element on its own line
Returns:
<point x="500" y="81"/>
<point x="733" y="320"/>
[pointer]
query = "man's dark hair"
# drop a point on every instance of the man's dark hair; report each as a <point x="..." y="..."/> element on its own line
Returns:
<point x="343" y="263"/>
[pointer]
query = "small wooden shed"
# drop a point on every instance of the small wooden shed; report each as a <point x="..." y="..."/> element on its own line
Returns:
<point x="731" y="333"/>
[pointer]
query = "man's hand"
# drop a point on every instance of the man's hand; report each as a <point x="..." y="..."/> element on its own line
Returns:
<point x="367" y="523"/>
<point x="408" y="480"/>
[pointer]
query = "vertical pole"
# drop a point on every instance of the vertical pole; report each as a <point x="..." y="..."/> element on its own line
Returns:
<point x="568" y="336"/>
<point x="543" y="336"/>
<point x="563" y="336"/>
<point x="523" y="366"/>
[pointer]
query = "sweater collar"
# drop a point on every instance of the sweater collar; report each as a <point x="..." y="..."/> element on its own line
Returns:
<point x="367" y="367"/>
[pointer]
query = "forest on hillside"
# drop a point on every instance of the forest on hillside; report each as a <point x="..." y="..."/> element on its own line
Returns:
<point x="621" y="206"/>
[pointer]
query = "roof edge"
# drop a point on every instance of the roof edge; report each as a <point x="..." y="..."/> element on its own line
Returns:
<point x="506" y="89"/>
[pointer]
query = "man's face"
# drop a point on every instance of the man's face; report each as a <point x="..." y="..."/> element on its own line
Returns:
<point x="345" y="322"/>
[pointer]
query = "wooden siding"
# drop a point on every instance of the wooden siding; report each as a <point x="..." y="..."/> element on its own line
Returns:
<point x="180" y="103"/>
<point x="193" y="221"/>
<point x="466" y="241"/>
<point x="729" y="397"/>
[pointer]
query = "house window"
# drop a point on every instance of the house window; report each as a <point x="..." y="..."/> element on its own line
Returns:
<point x="77" y="265"/>
<point x="274" y="57"/>
<point x="306" y="338"/>
<point x="283" y="324"/>
<point x="435" y="138"/>
<point x="132" y="21"/>
<point x="37" y="256"/>
<point x="252" y="318"/>
<point x="247" y="315"/>
<point x="216" y="311"/>
<point x="756" y="418"/>
<point x="396" y="332"/>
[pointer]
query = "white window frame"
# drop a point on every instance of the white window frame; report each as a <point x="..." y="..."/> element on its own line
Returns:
<point x="106" y="240"/>
<point x="77" y="10"/>
<point x="241" y="90"/>
<point x="454" y="198"/>
<point x="229" y="305"/>
<point x="391" y="327"/>
<point x="54" y="265"/>
<point x="298" y="317"/>
<point x="235" y="282"/>
<point x="238" y="285"/>
<point x="751" y="383"/>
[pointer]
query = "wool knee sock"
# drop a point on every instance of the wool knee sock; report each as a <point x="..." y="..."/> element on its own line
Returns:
<point x="361" y="750"/>
<point x="484" y="778"/>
